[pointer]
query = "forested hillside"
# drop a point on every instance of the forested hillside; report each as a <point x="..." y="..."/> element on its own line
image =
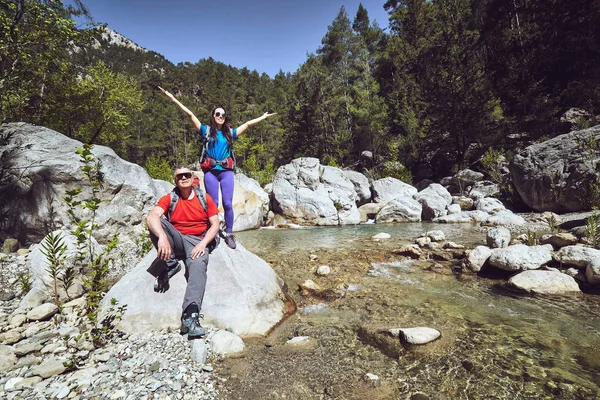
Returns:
<point x="447" y="81"/>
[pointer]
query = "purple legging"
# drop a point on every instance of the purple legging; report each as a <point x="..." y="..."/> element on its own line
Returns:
<point x="212" y="179"/>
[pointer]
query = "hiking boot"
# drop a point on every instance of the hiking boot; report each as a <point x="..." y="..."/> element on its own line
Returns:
<point x="230" y="240"/>
<point x="191" y="325"/>
<point x="161" y="284"/>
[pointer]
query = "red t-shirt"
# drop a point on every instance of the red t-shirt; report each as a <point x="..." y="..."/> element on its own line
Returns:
<point x="188" y="217"/>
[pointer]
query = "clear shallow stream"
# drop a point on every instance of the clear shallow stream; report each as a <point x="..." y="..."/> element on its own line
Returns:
<point x="495" y="344"/>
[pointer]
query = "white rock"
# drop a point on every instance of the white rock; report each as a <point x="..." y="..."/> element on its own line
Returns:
<point x="323" y="270"/>
<point x="119" y="394"/>
<point x="464" y="217"/>
<point x="243" y="294"/>
<point x="592" y="272"/>
<point x="389" y="188"/>
<point x="577" y="256"/>
<point x="49" y="367"/>
<point x="489" y="205"/>
<point x="17" y="320"/>
<point x="423" y="241"/>
<point x="42" y="312"/>
<point x="381" y="235"/>
<point x="478" y="256"/>
<point x="223" y="342"/>
<point x="498" y="237"/>
<point x="419" y="335"/>
<point x="521" y="257"/>
<point x="400" y="209"/>
<point x="544" y="282"/>
<point x="436" y="236"/>
<point x="298" y="340"/>
<point x="10" y="384"/>
<point x="199" y="351"/>
<point x="61" y="392"/>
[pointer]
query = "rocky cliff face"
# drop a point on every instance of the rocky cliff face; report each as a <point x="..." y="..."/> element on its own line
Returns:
<point x="39" y="166"/>
<point x="561" y="174"/>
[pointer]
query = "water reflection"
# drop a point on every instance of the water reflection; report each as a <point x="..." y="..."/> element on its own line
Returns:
<point x="286" y="240"/>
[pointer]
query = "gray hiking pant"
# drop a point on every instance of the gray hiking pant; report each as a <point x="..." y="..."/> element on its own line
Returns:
<point x="195" y="270"/>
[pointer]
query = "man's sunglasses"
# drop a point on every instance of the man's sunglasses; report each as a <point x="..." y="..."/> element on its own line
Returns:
<point x="186" y="175"/>
<point x="219" y="114"/>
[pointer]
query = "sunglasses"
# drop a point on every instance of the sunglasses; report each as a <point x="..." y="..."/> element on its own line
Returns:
<point x="186" y="175"/>
<point x="219" y="114"/>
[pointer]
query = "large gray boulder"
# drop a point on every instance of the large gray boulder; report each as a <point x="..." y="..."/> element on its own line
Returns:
<point x="577" y="256"/>
<point x="544" y="282"/>
<point x="401" y="209"/>
<point x="361" y="186"/>
<point x="464" y="217"/>
<point x="498" y="237"/>
<point x="466" y="177"/>
<point x="389" y="188"/>
<point x="558" y="174"/>
<point x="521" y="257"/>
<point x="243" y="295"/>
<point x="434" y="199"/>
<point x="306" y="192"/>
<point x="44" y="167"/>
<point x="250" y="203"/>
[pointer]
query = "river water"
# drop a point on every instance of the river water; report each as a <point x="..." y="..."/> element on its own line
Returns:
<point x="494" y="344"/>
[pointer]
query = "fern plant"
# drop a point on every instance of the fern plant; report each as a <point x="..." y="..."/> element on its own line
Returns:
<point x="592" y="229"/>
<point x="54" y="248"/>
<point x="97" y="265"/>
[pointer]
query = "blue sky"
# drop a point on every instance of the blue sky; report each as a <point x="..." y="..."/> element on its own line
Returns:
<point x="262" y="35"/>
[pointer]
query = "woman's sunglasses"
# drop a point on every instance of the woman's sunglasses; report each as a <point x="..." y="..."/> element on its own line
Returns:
<point x="186" y="175"/>
<point x="219" y="114"/>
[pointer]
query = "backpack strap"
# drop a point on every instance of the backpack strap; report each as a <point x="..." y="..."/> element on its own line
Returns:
<point x="175" y="194"/>
<point x="201" y="197"/>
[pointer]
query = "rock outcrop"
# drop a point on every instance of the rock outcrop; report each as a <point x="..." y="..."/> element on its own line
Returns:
<point x="243" y="295"/>
<point x="304" y="191"/>
<point x="557" y="175"/>
<point x="44" y="167"/>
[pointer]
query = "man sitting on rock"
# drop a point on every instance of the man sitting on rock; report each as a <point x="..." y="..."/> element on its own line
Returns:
<point x="183" y="233"/>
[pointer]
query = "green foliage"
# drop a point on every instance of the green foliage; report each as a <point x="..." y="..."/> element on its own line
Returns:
<point x="143" y="243"/>
<point x="491" y="162"/>
<point x="107" y="329"/>
<point x="24" y="281"/>
<point x="101" y="106"/>
<point x="159" y="168"/>
<point x="96" y="265"/>
<point x="447" y="81"/>
<point x="54" y="248"/>
<point x="395" y="170"/>
<point x="592" y="229"/>
<point x="553" y="224"/>
<point x="531" y="238"/>
<point x="36" y="37"/>
<point x="593" y="198"/>
<point x="96" y="285"/>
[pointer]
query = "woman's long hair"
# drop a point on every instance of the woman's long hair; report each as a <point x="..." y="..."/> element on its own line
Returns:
<point x="226" y="129"/>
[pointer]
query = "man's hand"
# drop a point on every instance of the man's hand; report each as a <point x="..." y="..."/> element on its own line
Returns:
<point x="164" y="248"/>
<point x="198" y="250"/>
